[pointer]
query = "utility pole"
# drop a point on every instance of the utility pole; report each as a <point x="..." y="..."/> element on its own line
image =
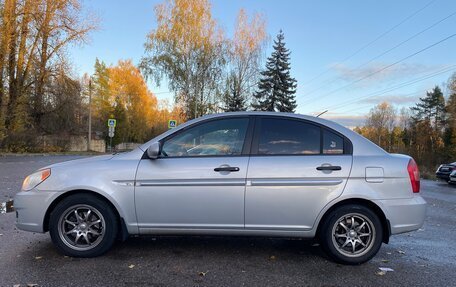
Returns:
<point x="89" y="136"/>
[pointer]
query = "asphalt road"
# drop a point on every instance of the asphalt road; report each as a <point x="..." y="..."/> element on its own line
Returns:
<point x="424" y="258"/>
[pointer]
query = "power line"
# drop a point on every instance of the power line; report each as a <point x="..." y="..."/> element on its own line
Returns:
<point x="406" y="84"/>
<point x="386" y="67"/>
<point x="390" y="89"/>
<point x="389" y="50"/>
<point x="396" y="87"/>
<point x="407" y="40"/>
<point x="375" y="40"/>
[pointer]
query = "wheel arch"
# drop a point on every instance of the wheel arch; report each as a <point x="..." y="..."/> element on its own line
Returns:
<point x="123" y="232"/>
<point x="364" y="202"/>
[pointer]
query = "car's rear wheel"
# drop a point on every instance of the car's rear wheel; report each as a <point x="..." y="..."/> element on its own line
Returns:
<point x="351" y="234"/>
<point x="83" y="225"/>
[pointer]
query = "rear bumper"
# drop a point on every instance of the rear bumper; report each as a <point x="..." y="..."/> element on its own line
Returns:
<point x="31" y="207"/>
<point x="404" y="214"/>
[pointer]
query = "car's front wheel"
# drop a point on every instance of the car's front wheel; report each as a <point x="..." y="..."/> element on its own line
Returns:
<point x="82" y="225"/>
<point x="351" y="234"/>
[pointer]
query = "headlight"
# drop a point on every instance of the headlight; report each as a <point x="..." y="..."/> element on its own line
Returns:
<point x="36" y="178"/>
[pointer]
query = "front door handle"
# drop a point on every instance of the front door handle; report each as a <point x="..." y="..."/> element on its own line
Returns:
<point x="226" y="168"/>
<point x="329" y="167"/>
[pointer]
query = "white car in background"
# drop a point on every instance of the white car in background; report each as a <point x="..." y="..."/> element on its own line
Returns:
<point x="245" y="173"/>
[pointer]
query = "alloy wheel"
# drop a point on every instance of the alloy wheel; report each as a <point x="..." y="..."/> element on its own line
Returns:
<point x="353" y="235"/>
<point x="81" y="227"/>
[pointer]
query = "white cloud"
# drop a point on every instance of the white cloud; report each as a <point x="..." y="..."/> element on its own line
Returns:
<point x="391" y="99"/>
<point x="401" y="70"/>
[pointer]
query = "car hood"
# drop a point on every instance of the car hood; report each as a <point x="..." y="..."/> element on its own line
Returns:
<point x="81" y="161"/>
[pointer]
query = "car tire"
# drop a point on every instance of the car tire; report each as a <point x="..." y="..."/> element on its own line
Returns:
<point x="350" y="225"/>
<point x="83" y="225"/>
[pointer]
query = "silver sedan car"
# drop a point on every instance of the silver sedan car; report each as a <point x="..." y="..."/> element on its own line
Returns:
<point x="244" y="173"/>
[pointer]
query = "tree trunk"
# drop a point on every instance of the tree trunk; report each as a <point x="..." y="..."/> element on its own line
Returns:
<point x="39" y="90"/>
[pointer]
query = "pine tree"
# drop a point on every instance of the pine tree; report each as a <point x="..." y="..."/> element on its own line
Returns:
<point x="276" y="89"/>
<point x="431" y="108"/>
<point x="233" y="99"/>
<point x="450" y="132"/>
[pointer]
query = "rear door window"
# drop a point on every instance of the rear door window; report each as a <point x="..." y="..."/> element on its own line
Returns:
<point x="288" y="137"/>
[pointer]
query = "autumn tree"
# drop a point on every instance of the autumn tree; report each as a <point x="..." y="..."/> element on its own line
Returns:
<point x="120" y="91"/>
<point x="276" y="88"/>
<point x="188" y="48"/>
<point x="381" y="120"/>
<point x="7" y="15"/>
<point x="245" y="56"/>
<point x="68" y="110"/>
<point x="34" y="35"/>
<point x="131" y="97"/>
<point x="60" y="25"/>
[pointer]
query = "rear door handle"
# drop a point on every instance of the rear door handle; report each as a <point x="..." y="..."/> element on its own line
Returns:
<point x="329" y="167"/>
<point x="226" y="168"/>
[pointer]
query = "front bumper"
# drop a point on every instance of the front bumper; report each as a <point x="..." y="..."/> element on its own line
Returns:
<point x="7" y="206"/>
<point x="404" y="214"/>
<point x="31" y="207"/>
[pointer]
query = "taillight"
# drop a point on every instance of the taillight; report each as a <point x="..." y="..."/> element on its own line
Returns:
<point x="414" y="175"/>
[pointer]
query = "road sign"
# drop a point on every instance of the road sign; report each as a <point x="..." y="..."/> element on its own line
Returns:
<point x="112" y="123"/>
<point x="172" y="124"/>
<point x="112" y="129"/>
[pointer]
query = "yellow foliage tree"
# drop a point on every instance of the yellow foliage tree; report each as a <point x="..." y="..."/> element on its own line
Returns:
<point x="245" y="55"/>
<point x="121" y="92"/>
<point x="128" y="88"/>
<point x="188" y="48"/>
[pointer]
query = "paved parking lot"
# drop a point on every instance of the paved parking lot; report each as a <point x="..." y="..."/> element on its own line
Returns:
<point x="423" y="258"/>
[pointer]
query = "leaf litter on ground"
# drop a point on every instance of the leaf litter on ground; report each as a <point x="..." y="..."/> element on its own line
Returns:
<point x="383" y="271"/>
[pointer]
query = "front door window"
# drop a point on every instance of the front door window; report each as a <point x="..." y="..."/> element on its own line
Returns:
<point x="214" y="138"/>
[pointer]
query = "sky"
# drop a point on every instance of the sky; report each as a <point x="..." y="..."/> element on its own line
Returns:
<point x="347" y="56"/>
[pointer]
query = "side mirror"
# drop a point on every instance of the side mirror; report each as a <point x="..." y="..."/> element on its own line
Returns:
<point x="154" y="150"/>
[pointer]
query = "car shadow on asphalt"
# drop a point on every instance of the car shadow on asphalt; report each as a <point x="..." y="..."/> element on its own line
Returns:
<point x="175" y="247"/>
<point x="180" y="245"/>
